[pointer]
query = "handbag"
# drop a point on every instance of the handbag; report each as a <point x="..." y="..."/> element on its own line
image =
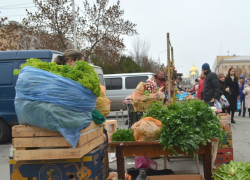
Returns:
<point x="218" y="106"/>
<point x="224" y="102"/>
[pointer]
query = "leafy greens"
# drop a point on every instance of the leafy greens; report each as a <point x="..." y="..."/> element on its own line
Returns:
<point x="186" y="125"/>
<point x="122" y="135"/>
<point x="82" y="72"/>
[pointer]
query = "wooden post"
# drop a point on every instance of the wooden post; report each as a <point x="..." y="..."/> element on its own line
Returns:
<point x="169" y="78"/>
<point x="172" y="54"/>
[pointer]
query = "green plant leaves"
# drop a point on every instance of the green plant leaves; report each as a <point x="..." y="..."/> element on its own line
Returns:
<point x="122" y="135"/>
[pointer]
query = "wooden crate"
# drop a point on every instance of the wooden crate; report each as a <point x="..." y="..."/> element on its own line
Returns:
<point x="33" y="143"/>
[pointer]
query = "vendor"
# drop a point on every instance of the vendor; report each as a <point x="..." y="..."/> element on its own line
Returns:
<point x="160" y="80"/>
<point x="70" y="57"/>
<point x="179" y="80"/>
<point x="195" y="88"/>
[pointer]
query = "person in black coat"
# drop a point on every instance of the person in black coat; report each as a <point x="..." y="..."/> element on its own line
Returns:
<point x="211" y="90"/>
<point x="223" y="89"/>
<point x="233" y="90"/>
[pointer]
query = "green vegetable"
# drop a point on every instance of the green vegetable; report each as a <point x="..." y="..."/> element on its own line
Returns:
<point x="233" y="171"/>
<point x="146" y="93"/>
<point x="186" y="125"/>
<point x="122" y="135"/>
<point x="82" y="72"/>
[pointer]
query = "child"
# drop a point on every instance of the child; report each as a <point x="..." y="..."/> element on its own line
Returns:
<point x="242" y="95"/>
<point x="246" y="91"/>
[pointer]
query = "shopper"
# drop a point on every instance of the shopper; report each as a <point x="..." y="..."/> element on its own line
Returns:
<point x="160" y="80"/>
<point x="195" y="86"/>
<point x="246" y="91"/>
<point x="233" y="90"/>
<point x="223" y="89"/>
<point x="200" y="88"/>
<point x="178" y="81"/>
<point x="211" y="90"/>
<point x="70" y="57"/>
<point x="242" y="95"/>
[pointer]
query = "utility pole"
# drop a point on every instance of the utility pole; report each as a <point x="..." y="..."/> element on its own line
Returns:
<point x="74" y="24"/>
<point x="168" y="63"/>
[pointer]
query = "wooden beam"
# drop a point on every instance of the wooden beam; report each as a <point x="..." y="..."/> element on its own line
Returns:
<point x="31" y="131"/>
<point x="67" y="153"/>
<point x="168" y="63"/>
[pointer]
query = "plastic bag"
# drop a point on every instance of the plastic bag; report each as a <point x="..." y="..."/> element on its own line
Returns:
<point x="218" y="106"/>
<point x="98" y="117"/>
<point x="54" y="118"/>
<point x="224" y="102"/>
<point x="103" y="103"/>
<point x="147" y="129"/>
<point x="144" y="162"/>
<point x="114" y="176"/>
<point x="182" y="96"/>
<point x="56" y="103"/>
<point x="238" y="104"/>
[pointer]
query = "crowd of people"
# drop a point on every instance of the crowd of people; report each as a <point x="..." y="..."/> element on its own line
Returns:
<point x="210" y="87"/>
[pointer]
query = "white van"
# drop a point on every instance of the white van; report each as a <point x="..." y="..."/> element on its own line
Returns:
<point x="119" y="86"/>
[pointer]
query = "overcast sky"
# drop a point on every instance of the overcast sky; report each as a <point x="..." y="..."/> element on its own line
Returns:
<point x="199" y="29"/>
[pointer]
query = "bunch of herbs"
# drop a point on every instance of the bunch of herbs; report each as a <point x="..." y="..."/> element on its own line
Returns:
<point x="123" y="135"/>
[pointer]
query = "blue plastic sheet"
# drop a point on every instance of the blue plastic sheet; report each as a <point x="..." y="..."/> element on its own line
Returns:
<point x="182" y="96"/>
<point x="56" y="103"/>
<point x="238" y="104"/>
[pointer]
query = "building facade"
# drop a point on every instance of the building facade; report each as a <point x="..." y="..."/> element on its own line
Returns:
<point x="241" y="64"/>
<point x="193" y="74"/>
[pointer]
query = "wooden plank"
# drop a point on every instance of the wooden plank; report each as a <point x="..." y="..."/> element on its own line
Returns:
<point x="133" y="143"/>
<point x="55" y="141"/>
<point x="31" y="131"/>
<point x="149" y="150"/>
<point x="67" y="153"/>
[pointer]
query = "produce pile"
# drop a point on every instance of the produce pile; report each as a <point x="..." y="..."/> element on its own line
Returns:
<point x="233" y="171"/>
<point x="82" y="73"/>
<point x="186" y="125"/>
<point x="146" y="92"/>
<point x="123" y="135"/>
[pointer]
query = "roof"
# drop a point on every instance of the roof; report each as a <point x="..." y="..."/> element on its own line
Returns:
<point x="239" y="58"/>
<point x="193" y="73"/>
<point x="26" y="54"/>
<point x="186" y="76"/>
<point x="194" y="68"/>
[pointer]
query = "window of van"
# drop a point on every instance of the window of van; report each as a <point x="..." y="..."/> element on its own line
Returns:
<point x="101" y="79"/>
<point x="6" y="73"/>
<point x="113" y="83"/>
<point x="132" y="82"/>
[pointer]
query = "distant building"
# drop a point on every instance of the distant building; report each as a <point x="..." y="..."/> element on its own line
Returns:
<point x="193" y="74"/>
<point x="241" y="64"/>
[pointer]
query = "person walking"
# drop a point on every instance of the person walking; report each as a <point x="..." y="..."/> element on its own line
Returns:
<point x="211" y="90"/>
<point x="200" y="87"/>
<point x="233" y="90"/>
<point x="242" y="95"/>
<point x="246" y="91"/>
<point x="223" y="89"/>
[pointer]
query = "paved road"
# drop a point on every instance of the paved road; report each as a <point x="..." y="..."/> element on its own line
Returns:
<point x="241" y="144"/>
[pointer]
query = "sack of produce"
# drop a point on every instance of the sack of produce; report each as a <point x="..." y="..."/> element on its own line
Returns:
<point x="146" y="92"/>
<point x="147" y="129"/>
<point x="46" y="99"/>
<point x="103" y="103"/>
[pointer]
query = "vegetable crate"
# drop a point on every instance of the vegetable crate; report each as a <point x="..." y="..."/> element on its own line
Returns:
<point x="224" y="155"/>
<point x="227" y="141"/>
<point x="33" y="143"/>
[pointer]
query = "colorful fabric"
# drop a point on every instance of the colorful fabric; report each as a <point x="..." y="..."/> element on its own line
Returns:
<point x="224" y="102"/>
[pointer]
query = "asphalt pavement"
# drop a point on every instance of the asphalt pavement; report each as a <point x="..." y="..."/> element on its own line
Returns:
<point x="241" y="145"/>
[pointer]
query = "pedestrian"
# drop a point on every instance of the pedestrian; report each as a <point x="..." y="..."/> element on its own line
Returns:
<point x="200" y="88"/>
<point x="195" y="86"/>
<point x="223" y="89"/>
<point x="233" y="90"/>
<point x="242" y="95"/>
<point x="246" y="91"/>
<point x="160" y="80"/>
<point x="211" y="91"/>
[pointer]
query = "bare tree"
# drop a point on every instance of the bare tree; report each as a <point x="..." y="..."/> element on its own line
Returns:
<point x="103" y="27"/>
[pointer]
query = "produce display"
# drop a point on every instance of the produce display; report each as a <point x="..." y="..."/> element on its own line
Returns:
<point x="122" y="135"/>
<point x="150" y="86"/>
<point x="186" y="125"/>
<point x="82" y="73"/>
<point x="233" y="171"/>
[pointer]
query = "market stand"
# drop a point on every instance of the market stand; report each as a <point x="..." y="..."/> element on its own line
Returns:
<point x="154" y="148"/>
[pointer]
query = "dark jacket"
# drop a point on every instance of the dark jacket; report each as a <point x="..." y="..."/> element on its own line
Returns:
<point x="223" y="87"/>
<point x="242" y="95"/>
<point x="211" y="87"/>
<point x="234" y="93"/>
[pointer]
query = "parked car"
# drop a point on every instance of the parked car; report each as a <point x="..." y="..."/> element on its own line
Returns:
<point x="10" y="60"/>
<point x="119" y="86"/>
